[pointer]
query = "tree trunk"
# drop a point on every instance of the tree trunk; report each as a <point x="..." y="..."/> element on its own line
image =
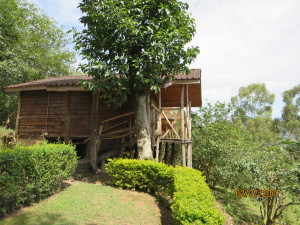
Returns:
<point x="142" y="127"/>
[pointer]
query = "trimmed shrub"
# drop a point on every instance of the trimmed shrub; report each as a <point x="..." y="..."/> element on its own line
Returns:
<point x="192" y="202"/>
<point x="143" y="175"/>
<point x="31" y="173"/>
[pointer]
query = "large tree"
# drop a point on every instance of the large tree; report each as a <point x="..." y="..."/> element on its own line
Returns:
<point x="291" y="111"/>
<point x="132" y="46"/>
<point x="32" y="47"/>
<point x="253" y="100"/>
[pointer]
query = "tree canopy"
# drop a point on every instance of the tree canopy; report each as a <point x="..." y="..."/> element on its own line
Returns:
<point x="290" y="113"/>
<point x="253" y="100"/>
<point x="32" y="47"/>
<point x="143" y="41"/>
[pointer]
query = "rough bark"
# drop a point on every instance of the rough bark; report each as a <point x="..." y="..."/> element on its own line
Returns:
<point x="142" y="128"/>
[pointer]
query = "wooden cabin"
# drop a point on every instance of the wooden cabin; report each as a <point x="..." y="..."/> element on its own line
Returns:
<point x="58" y="107"/>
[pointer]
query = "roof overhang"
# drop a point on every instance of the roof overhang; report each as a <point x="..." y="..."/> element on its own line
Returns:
<point x="53" y="88"/>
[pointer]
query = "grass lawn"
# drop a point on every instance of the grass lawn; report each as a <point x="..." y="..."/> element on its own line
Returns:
<point x="88" y="203"/>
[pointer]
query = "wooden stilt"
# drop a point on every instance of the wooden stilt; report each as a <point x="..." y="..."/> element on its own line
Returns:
<point x="166" y="153"/>
<point x="173" y="155"/>
<point x="189" y="129"/>
<point x="94" y="132"/>
<point x="18" y="113"/>
<point x="136" y="153"/>
<point x="159" y="116"/>
<point x="190" y="157"/>
<point x="182" y="126"/>
<point x="157" y="149"/>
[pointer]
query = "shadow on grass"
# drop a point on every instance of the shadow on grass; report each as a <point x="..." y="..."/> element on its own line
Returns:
<point x="104" y="179"/>
<point x="236" y="208"/>
<point x="42" y="219"/>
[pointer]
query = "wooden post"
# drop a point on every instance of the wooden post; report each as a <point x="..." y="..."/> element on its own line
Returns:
<point x="190" y="157"/>
<point x="136" y="152"/>
<point x="130" y="140"/>
<point x="166" y="152"/>
<point x="182" y="126"/>
<point x="18" y="113"/>
<point x="157" y="149"/>
<point x="159" y="117"/>
<point x="190" y="146"/>
<point x="173" y="155"/>
<point x="153" y="129"/>
<point x="188" y="123"/>
<point x="94" y="132"/>
<point x="67" y="116"/>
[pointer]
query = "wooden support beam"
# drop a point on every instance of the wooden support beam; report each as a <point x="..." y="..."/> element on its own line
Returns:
<point x="189" y="156"/>
<point x="182" y="126"/>
<point x="120" y="136"/>
<point x="155" y="108"/>
<point x="112" y="127"/>
<point x="18" y="113"/>
<point x="124" y="130"/>
<point x="94" y="131"/>
<point x="173" y="155"/>
<point x="173" y="122"/>
<point x="157" y="149"/>
<point x="166" y="153"/>
<point x="152" y="128"/>
<point x="168" y="121"/>
<point x="118" y="117"/>
<point x="159" y="116"/>
<point x="67" y="116"/>
<point x="190" y="145"/>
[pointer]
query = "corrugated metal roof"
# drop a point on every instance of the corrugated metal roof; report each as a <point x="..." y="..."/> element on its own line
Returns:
<point x="195" y="74"/>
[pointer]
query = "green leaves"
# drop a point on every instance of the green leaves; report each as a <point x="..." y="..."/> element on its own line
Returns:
<point x="290" y="113"/>
<point x="31" y="173"/>
<point x="141" y="41"/>
<point x="32" y="47"/>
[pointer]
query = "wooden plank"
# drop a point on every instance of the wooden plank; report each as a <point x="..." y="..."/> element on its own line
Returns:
<point x="18" y="113"/>
<point x="67" y="117"/>
<point x="39" y="123"/>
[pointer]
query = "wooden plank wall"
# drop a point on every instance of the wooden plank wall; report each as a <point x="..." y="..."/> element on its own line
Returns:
<point x="81" y="112"/>
<point x="33" y="114"/>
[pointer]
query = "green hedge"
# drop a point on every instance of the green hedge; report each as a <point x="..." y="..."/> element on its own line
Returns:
<point x="30" y="173"/>
<point x="192" y="202"/>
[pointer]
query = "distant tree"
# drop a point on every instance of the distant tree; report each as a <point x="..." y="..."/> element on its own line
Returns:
<point x="131" y="48"/>
<point x="291" y="111"/>
<point x="253" y="100"/>
<point x="31" y="47"/>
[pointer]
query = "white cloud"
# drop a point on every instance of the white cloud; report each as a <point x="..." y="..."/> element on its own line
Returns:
<point x="241" y="42"/>
<point x="245" y="42"/>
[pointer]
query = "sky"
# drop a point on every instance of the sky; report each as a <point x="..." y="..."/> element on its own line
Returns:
<point x="241" y="42"/>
